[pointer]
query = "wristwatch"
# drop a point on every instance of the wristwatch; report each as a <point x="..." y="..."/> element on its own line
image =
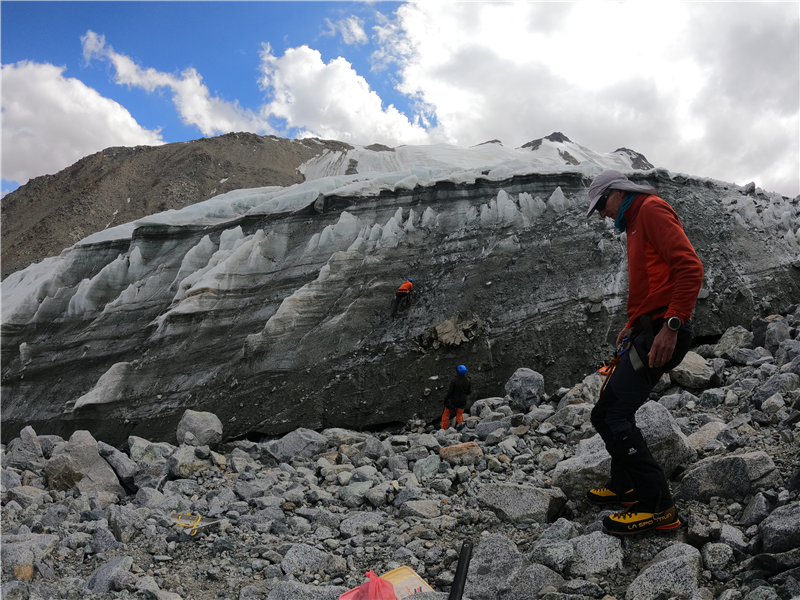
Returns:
<point x="674" y="323"/>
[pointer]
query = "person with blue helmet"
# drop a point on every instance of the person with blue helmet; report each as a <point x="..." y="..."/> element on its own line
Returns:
<point x="456" y="399"/>
<point x="403" y="294"/>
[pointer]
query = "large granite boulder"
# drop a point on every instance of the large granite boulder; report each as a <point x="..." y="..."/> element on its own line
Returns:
<point x="731" y="476"/>
<point x="300" y="442"/>
<point x="25" y="452"/>
<point x="525" y="387"/>
<point x="520" y="503"/>
<point x="78" y="465"/>
<point x="205" y="427"/>
<point x="675" y="571"/>
<point x="780" y="531"/>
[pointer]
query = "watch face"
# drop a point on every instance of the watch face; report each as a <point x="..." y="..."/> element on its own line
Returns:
<point x="674" y="323"/>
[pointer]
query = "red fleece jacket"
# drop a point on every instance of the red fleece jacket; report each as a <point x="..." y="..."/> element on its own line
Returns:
<point x="663" y="268"/>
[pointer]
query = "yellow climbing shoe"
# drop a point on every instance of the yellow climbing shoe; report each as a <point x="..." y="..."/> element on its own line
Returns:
<point x="632" y="521"/>
<point x="604" y="495"/>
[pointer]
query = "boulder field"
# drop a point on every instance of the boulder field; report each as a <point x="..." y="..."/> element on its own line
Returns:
<point x="303" y="516"/>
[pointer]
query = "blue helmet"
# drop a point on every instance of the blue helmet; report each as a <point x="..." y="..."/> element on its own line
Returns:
<point x="462" y="370"/>
<point x="411" y="280"/>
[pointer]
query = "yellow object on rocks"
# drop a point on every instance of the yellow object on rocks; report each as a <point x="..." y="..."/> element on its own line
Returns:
<point x="406" y="582"/>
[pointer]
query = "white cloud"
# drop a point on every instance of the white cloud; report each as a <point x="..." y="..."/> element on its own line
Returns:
<point x="211" y="115"/>
<point x="331" y="100"/>
<point x="51" y="121"/>
<point x="351" y="29"/>
<point x="714" y="101"/>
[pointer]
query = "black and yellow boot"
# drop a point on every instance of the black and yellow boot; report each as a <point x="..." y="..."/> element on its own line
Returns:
<point x="634" y="521"/>
<point x="602" y="496"/>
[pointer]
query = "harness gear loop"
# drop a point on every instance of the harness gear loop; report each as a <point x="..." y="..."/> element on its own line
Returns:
<point x="612" y="364"/>
<point x="193" y="524"/>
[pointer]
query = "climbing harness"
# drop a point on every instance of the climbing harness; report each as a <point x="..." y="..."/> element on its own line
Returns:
<point x="608" y="369"/>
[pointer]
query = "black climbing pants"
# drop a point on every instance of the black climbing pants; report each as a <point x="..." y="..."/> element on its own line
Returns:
<point x="614" y="418"/>
<point x="399" y="298"/>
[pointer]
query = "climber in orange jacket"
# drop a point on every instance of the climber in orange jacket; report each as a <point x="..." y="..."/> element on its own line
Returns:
<point x="403" y="294"/>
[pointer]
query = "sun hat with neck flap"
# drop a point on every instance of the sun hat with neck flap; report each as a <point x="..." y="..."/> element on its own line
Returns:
<point x="615" y="180"/>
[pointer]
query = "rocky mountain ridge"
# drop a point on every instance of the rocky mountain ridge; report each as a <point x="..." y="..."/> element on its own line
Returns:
<point x="270" y="306"/>
<point x="120" y="184"/>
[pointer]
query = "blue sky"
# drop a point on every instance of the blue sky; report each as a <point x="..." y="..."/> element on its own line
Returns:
<point x="719" y="101"/>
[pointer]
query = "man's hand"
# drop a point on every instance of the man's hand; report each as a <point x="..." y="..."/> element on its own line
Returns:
<point x="663" y="347"/>
<point x="625" y="331"/>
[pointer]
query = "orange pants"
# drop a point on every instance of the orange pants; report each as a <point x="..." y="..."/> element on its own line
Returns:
<point x="446" y="417"/>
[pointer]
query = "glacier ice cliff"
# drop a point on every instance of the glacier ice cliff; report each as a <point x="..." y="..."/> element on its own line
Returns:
<point x="271" y="306"/>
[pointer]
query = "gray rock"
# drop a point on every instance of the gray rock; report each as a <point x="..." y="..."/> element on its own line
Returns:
<point x="149" y="498"/>
<point x="55" y="516"/>
<point x="762" y="592"/>
<point x="588" y="468"/>
<point x="732" y="476"/>
<point x="525" y="387"/>
<point x="142" y="449"/>
<point x="666" y="441"/>
<point x="674" y="571"/>
<point x="356" y="522"/>
<point x="301" y="557"/>
<point x="100" y="581"/>
<point x="292" y="590"/>
<point x="26" y="549"/>
<point x="486" y="427"/>
<point x="555" y="554"/>
<point x="788" y="350"/>
<point x="305" y="443"/>
<point x="151" y="473"/>
<point x="184" y="462"/>
<point x="716" y="556"/>
<point x="756" y="511"/>
<point x="496" y="565"/>
<point x="10" y="479"/>
<point x="734" y="338"/>
<point x="707" y="433"/>
<point x="595" y="553"/>
<point x="78" y="464"/>
<point x="777" y="332"/>
<point x="26" y="495"/>
<point x="732" y="536"/>
<point x="427" y="466"/>
<point x="777" y="384"/>
<point x="124" y="522"/>
<point x="694" y="372"/>
<point x="521" y="503"/>
<point x="780" y="531"/>
<point x="532" y="580"/>
<point x="25" y="452"/>
<point x="123" y="466"/>
<point x="204" y="426"/>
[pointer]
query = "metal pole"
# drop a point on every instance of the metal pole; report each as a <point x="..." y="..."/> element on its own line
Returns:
<point x="457" y="589"/>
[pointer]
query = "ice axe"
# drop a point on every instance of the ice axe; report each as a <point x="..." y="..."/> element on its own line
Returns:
<point x="457" y="589"/>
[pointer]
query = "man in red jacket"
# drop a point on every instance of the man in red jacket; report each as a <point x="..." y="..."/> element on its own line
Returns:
<point x="664" y="279"/>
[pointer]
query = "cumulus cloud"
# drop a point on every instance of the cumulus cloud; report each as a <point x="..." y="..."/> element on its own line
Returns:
<point x="351" y="30"/>
<point x="713" y="101"/>
<point x="191" y="97"/>
<point x="331" y="100"/>
<point x="51" y="121"/>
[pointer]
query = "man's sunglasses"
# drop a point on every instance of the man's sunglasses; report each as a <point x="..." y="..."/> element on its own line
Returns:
<point x="601" y="203"/>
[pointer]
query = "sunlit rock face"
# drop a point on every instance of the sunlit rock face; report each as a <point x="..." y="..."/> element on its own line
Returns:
<point x="272" y="307"/>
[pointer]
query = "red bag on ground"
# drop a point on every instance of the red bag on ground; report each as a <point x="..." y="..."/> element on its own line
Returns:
<point x="376" y="588"/>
